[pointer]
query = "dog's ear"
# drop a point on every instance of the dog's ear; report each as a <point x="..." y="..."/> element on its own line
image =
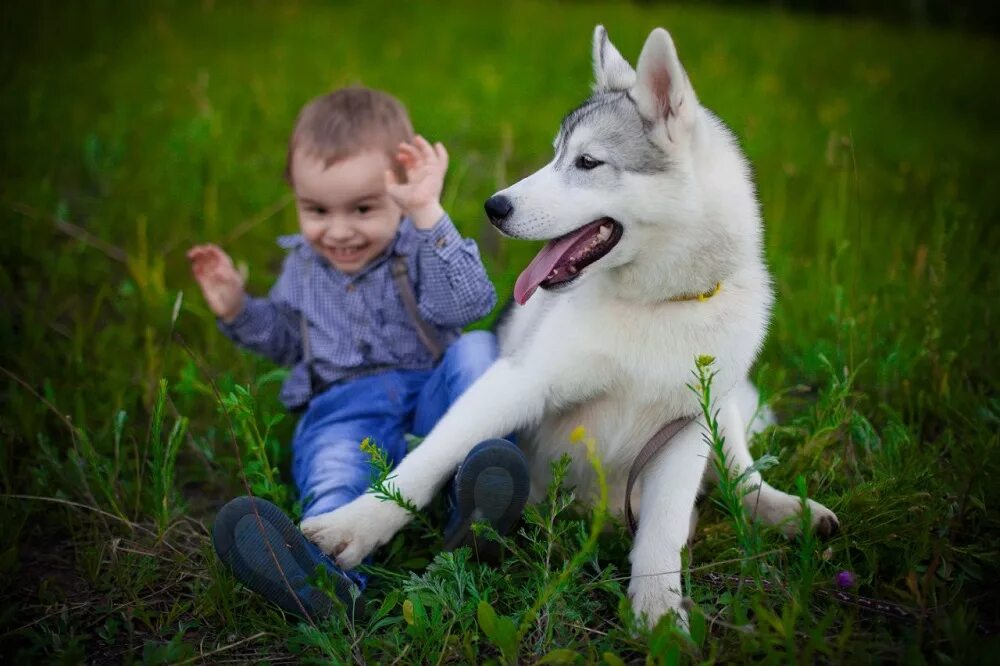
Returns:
<point x="662" y="90"/>
<point x="611" y="70"/>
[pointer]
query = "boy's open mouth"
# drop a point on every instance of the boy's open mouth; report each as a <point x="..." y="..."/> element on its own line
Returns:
<point x="345" y="253"/>
<point x="562" y="259"/>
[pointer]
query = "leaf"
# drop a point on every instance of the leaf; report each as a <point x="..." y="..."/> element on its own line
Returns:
<point x="672" y="656"/>
<point x="487" y="619"/>
<point x="417" y="612"/>
<point x="560" y="656"/>
<point x="499" y="629"/>
<point x="696" y="626"/>
<point x="612" y="659"/>
<point x="177" y="307"/>
<point x="408" y="611"/>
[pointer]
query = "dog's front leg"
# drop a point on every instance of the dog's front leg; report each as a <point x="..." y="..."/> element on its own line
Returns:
<point x="504" y="399"/>
<point x="669" y="489"/>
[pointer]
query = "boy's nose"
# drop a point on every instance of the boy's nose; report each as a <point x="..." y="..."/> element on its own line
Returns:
<point x="339" y="231"/>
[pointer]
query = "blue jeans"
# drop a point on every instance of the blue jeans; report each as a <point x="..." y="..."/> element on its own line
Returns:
<point x="328" y="465"/>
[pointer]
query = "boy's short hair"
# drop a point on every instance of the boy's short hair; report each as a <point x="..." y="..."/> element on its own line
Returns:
<point x="347" y="121"/>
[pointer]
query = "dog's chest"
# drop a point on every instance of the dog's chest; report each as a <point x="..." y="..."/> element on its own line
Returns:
<point x="618" y="423"/>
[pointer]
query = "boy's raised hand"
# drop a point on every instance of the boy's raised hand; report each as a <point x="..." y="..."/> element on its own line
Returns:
<point x="219" y="280"/>
<point x="420" y="195"/>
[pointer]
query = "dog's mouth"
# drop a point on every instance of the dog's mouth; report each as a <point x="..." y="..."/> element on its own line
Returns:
<point x="562" y="260"/>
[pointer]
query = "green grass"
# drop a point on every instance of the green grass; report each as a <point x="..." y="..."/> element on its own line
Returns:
<point x="144" y="129"/>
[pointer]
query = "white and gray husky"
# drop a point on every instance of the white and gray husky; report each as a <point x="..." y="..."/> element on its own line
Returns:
<point x="654" y="257"/>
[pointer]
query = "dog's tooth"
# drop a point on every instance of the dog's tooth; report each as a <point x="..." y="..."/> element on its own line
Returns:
<point x="571" y="269"/>
<point x="604" y="233"/>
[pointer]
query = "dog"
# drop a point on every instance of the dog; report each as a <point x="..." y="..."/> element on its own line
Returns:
<point x="654" y="257"/>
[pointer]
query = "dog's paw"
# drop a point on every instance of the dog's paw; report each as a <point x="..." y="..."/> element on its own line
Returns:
<point x="824" y="522"/>
<point x="352" y="532"/>
<point x="786" y="513"/>
<point x="652" y="599"/>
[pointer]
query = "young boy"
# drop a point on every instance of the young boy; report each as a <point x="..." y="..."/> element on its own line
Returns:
<point x="368" y="311"/>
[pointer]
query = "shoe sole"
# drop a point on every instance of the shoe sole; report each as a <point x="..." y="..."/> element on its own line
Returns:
<point x="492" y="485"/>
<point x="241" y="541"/>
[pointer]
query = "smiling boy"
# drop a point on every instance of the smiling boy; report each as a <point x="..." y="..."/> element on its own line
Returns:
<point x="367" y="311"/>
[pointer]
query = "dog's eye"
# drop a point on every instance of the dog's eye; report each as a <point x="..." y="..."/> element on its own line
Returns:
<point x="587" y="162"/>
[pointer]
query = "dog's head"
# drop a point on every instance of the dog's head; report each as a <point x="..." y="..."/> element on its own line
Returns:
<point x="627" y="187"/>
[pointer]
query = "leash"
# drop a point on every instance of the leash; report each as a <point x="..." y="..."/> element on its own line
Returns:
<point x="664" y="434"/>
<point x="648" y="452"/>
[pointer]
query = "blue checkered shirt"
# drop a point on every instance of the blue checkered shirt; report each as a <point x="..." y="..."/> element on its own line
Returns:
<point x="357" y="323"/>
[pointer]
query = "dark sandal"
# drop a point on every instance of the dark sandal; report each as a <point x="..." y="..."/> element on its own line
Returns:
<point x="491" y="485"/>
<point x="242" y="544"/>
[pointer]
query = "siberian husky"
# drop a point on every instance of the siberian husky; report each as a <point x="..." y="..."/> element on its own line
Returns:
<point x="654" y="257"/>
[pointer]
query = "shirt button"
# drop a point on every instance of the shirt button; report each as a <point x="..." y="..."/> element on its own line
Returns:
<point x="350" y="287"/>
<point x="441" y="242"/>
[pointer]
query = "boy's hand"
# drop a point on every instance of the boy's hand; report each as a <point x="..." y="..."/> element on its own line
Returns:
<point x="420" y="195"/>
<point x="219" y="280"/>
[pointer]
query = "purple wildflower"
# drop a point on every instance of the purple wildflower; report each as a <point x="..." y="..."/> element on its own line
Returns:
<point x="845" y="579"/>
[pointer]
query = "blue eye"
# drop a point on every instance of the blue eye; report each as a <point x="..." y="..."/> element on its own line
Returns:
<point x="586" y="162"/>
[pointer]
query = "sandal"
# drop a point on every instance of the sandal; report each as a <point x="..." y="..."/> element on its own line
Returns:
<point x="251" y="547"/>
<point x="491" y="485"/>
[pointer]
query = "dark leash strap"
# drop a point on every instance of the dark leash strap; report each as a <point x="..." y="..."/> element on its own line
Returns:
<point x="649" y="451"/>
<point x="425" y="331"/>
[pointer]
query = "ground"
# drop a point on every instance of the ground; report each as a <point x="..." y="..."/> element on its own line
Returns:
<point x="133" y="131"/>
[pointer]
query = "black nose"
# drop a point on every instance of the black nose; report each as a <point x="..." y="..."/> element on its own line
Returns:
<point x="498" y="207"/>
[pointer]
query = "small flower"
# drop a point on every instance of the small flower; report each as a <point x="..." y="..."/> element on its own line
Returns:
<point x="704" y="360"/>
<point x="845" y="579"/>
<point x="578" y="434"/>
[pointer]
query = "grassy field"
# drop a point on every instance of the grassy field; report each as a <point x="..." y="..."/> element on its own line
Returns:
<point x="131" y="131"/>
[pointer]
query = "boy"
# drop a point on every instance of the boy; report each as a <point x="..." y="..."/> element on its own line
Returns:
<point x="368" y="311"/>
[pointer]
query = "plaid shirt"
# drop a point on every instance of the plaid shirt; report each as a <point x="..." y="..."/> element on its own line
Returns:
<point x="357" y="323"/>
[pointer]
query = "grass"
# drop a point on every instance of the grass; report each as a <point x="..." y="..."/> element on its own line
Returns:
<point x="133" y="131"/>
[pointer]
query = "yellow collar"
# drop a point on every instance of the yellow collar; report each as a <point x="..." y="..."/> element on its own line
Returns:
<point x="704" y="296"/>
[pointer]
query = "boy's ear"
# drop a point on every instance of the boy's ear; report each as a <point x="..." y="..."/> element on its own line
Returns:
<point x="662" y="90"/>
<point x="611" y="70"/>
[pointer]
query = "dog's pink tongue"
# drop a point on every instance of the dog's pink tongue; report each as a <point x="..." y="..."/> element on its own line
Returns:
<point x="542" y="265"/>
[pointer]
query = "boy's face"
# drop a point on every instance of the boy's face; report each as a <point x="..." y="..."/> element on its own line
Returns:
<point x="344" y="210"/>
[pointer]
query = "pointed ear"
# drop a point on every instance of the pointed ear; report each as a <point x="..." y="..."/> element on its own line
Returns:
<point x="611" y="70"/>
<point x="662" y="89"/>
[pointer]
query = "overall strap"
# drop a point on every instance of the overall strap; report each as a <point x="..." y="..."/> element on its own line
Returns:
<point x="315" y="385"/>
<point x="648" y="452"/>
<point x="425" y="331"/>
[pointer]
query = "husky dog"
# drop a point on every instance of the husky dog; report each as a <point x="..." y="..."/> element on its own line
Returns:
<point x="653" y="258"/>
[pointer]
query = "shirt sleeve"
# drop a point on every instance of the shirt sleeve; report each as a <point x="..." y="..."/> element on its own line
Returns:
<point x="454" y="288"/>
<point x="270" y="326"/>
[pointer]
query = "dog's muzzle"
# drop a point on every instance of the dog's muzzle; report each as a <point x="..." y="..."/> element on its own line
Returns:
<point x="498" y="208"/>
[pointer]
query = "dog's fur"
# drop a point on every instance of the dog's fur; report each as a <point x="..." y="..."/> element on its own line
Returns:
<point x="614" y="350"/>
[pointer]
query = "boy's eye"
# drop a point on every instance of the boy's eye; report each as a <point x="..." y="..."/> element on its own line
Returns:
<point x="364" y="209"/>
<point x="317" y="210"/>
